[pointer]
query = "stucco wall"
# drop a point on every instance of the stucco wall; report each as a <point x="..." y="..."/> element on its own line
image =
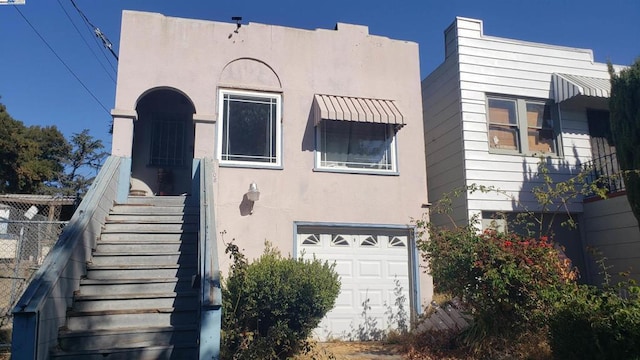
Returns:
<point x="200" y="57"/>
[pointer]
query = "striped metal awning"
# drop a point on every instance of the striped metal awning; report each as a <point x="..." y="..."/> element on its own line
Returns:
<point x="345" y="108"/>
<point x="566" y="86"/>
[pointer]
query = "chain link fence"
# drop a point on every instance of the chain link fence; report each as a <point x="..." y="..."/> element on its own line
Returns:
<point x="29" y="227"/>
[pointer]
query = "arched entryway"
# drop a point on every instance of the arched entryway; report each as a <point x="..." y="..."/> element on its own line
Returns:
<point x="163" y="143"/>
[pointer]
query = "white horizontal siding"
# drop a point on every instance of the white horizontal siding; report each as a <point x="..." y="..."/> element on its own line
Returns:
<point x="591" y="70"/>
<point x="611" y="228"/>
<point x="470" y="95"/>
<point x="526" y="48"/>
<point x="490" y="65"/>
<point x="575" y="135"/>
<point x="506" y="89"/>
<point x="486" y="49"/>
<point x="473" y="78"/>
<point x="443" y="135"/>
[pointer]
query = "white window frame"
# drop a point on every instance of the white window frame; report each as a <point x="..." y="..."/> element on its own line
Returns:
<point x="522" y="127"/>
<point x="223" y="119"/>
<point x="392" y="130"/>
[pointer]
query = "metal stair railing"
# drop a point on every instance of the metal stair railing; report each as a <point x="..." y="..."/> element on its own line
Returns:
<point x="209" y="270"/>
<point x="605" y="172"/>
<point x="41" y="310"/>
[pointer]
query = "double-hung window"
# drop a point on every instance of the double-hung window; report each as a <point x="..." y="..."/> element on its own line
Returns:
<point x="249" y="132"/>
<point x="521" y="126"/>
<point x="356" y="146"/>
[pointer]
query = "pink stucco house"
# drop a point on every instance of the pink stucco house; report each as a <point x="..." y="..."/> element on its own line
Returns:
<point x="326" y="124"/>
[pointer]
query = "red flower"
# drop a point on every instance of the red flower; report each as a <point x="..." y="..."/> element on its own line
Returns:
<point x="508" y="243"/>
<point x="544" y="238"/>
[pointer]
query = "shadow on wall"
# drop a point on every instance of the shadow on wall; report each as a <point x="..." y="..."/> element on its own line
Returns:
<point x="558" y="213"/>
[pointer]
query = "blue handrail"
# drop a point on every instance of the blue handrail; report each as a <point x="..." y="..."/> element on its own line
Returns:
<point x="51" y="290"/>
<point x="210" y="292"/>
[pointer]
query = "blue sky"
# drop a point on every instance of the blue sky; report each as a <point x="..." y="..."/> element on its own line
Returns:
<point x="38" y="89"/>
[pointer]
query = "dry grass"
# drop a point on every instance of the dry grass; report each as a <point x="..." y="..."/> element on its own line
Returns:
<point x="348" y="350"/>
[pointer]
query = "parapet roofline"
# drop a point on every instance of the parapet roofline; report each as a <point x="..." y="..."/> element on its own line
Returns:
<point x="339" y="27"/>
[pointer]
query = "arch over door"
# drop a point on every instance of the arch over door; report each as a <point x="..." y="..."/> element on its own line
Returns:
<point x="163" y="143"/>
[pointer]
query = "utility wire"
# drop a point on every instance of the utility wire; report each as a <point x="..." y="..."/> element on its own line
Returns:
<point x="98" y="43"/>
<point x="62" y="61"/>
<point x="96" y="31"/>
<point x="89" y="46"/>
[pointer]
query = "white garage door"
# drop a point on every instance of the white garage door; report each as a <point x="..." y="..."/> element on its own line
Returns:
<point x="373" y="268"/>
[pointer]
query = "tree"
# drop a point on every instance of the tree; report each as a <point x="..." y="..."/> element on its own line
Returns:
<point x="38" y="160"/>
<point x="624" y="107"/>
<point x="83" y="162"/>
<point x="30" y="157"/>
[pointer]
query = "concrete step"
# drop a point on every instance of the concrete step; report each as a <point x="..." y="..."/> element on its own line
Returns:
<point x="115" y="319"/>
<point x="151" y="258"/>
<point x="104" y="247"/>
<point x="159" y="200"/>
<point x="129" y="286"/>
<point x="153" y="228"/>
<point x="127" y="337"/>
<point x="158" y="237"/>
<point x="139" y="271"/>
<point x="130" y="209"/>
<point x="152" y="219"/>
<point x="182" y="301"/>
<point x="137" y="353"/>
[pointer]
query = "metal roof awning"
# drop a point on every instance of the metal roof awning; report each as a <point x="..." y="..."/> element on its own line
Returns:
<point x="345" y="108"/>
<point x="566" y="86"/>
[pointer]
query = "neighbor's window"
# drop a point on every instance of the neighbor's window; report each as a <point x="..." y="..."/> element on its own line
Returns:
<point x="521" y="125"/>
<point x="356" y="146"/>
<point x="250" y="128"/>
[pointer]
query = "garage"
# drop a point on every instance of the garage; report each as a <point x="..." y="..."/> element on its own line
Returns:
<point x="373" y="265"/>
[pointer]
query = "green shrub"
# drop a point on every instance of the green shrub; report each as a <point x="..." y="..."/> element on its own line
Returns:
<point x="592" y="323"/>
<point x="509" y="282"/>
<point x="271" y="306"/>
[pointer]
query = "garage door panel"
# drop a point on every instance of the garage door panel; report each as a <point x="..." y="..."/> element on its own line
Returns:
<point x="376" y="297"/>
<point x="397" y="269"/>
<point x="391" y="297"/>
<point x="344" y="268"/>
<point x="345" y="299"/>
<point x="368" y="269"/>
<point x="369" y="266"/>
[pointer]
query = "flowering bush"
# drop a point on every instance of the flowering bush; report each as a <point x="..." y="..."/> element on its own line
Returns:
<point x="509" y="282"/>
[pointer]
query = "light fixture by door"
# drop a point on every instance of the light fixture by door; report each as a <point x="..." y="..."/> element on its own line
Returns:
<point x="253" y="194"/>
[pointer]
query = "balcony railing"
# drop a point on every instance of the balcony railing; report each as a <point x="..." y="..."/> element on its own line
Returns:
<point x="605" y="173"/>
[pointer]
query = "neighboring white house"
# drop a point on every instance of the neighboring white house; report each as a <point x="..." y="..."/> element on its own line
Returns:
<point x="326" y="123"/>
<point x="495" y="107"/>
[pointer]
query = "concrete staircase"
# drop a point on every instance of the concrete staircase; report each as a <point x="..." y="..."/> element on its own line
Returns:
<point x="137" y="301"/>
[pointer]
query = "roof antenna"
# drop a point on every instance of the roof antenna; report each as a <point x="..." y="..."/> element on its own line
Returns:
<point x="237" y="19"/>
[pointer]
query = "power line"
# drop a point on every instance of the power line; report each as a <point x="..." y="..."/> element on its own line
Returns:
<point x="95" y="38"/>
<point x="89" y="46"/>
<point x="62" y="61"/>
<point x="107" y="44"/>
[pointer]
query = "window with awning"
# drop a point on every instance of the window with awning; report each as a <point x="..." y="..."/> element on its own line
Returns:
<point x="356" y="134"/>
<point x="567" y="86"/>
